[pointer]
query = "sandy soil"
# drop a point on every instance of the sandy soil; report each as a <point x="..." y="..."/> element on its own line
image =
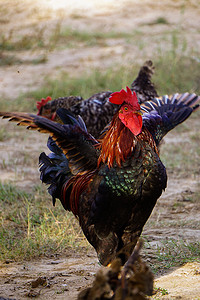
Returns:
<point x="63" y="277"/>
<point x="59" y="278"/>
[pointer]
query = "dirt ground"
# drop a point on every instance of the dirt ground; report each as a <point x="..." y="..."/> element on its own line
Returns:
<point x="63" y="277"/>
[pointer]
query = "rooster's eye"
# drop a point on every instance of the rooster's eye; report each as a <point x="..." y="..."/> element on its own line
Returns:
<point x="125" y="108"/>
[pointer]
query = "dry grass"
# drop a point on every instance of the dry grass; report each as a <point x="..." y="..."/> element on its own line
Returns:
<point x="30" y="227"/>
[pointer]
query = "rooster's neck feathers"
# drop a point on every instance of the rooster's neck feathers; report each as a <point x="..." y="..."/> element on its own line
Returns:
<point x="119" y="142"/>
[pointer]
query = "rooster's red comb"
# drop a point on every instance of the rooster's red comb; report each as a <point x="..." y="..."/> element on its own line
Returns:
<point x="125" y="96"/>
<point x="42" y="103"/>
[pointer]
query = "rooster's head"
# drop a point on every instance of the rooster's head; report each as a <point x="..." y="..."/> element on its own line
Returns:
<point x="129" y="113"/>
<point x="45" y="110"/>
<point x="40" y="104"/>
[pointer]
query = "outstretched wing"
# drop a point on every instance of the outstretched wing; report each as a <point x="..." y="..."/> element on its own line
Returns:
<point x="161" y="115"/>
<point x="75" y="142"/>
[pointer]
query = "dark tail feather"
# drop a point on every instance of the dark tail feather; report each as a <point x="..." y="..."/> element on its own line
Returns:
<point x="142" y="85"/>
<point x="54" y="170"/>
<point x="69" y="118"/>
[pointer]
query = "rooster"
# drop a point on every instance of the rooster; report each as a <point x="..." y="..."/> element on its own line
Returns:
<point x="97" y="111"/>
<point x="110" y="185"/>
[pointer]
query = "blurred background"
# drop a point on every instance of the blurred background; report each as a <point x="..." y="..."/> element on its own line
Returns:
<point x="65" y="47"/>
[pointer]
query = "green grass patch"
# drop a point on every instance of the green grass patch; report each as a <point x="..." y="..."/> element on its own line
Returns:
<point x="158" y="21"/>
<point x="4" y="134"/>
<point x="92" y="82"/>
<point x="160" y="292"/>
<point x="177" y="74"/>
<point x="25" y="42"/>
<point x="173" y="253"/>
<point x="31" y="227"/>
<point x="89" y="38"/>
<point x="173" y="73"/>
<point x="39" y="37"/>
<point x="177" y="70"/>
<point x="10" y="60"/>
<point x="180" y="152"/>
